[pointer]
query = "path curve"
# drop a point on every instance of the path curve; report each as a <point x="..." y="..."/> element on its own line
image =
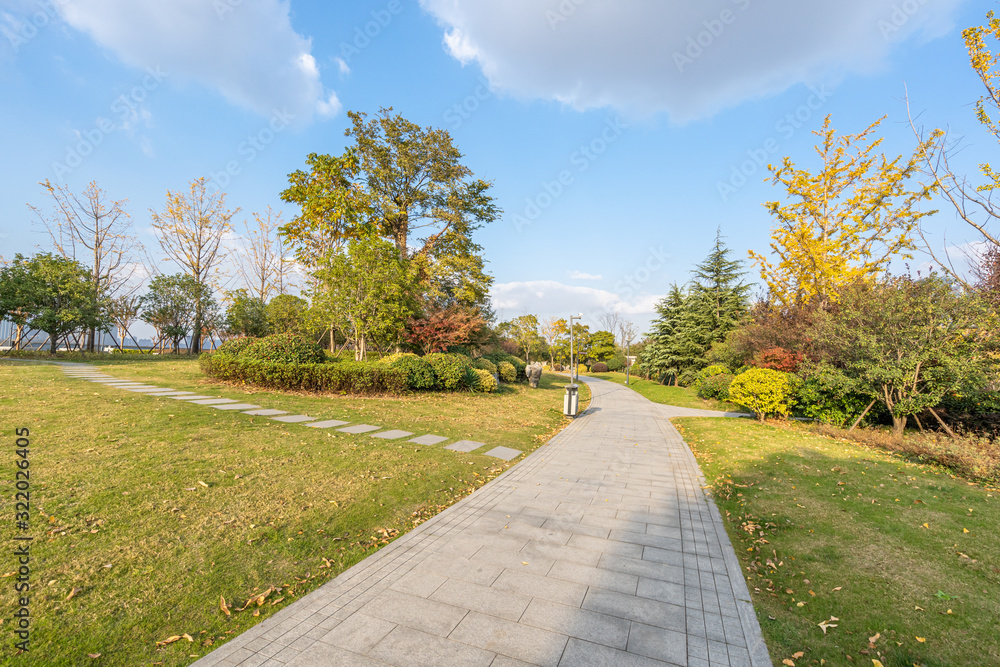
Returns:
<point x="600" y="548"/>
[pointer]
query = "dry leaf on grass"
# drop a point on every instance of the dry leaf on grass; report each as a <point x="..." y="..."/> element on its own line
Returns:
<point x="95" y="656"/>
<point x="828" y="624"/>
<point x="872" y="640"/>
<point x="223" y="607"/>
<point x="169" y="640"/>
<point x="74" y="592"/>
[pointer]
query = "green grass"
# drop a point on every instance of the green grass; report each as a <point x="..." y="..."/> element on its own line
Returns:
<point x="682" y="397"/>
<point x="862" y="535"/>
<point x="152" y="509"/>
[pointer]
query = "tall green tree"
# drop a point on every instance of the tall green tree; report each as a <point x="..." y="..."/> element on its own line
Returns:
<point x="366" y="292"/>
<point x="50" y="293"/>
<point x="720" y="295"/>
<point x="286" y="313"/>
<point x="173" y="305"/>
<point x="524" y="331"/>
<point x="602" y="345"/>
<point x="246" y="315"/>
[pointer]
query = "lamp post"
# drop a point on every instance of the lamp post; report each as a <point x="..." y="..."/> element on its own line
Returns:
<point x="572" y="361"/>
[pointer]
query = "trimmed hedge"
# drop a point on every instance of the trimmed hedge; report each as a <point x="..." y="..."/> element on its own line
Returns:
<point x="507" y="372"/>
<point x="485" y="365"/>
<point x="518" y="364"/>
<point x="453" y="371"/>
<point x="485" y="382"/>
<point x="419" y="373"/>
<point x="763" y="392"/>
<point x="599" y="367"/>
<point x="236" y="346"/>
<point x="278" y="348"/>
<point x="352" y="377"/>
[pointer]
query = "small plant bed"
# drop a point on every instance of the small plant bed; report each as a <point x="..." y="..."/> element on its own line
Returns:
<point x="855" y="555"/>
<point x="682" y="397"/>
<point x="150" y="515"/>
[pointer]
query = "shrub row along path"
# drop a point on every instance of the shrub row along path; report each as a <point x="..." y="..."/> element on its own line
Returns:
<point x="93" y="374"/>
<point x="599" y="548"/>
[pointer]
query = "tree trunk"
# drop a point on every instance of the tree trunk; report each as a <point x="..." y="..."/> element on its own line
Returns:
<point x="898" y="425"/>
<point x="196" y="334"/>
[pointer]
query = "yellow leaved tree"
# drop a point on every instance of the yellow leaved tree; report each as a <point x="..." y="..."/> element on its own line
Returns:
<point x="843" y="224"/>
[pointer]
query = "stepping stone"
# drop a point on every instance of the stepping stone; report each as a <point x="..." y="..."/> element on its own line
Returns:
<point x="236" y="406"/>
<point x="177" y="394"/>
<point x="127" y="385"/>
<point x="505" y="453"/>
<point x="465" y="446"/>
<point x="391" y="435"/>
<point x="428" y="440"/>
<point x="148" y="390"/>
<point x="360" y="428"/>
<point x="294" y="419"/>
<point x="266" y="412"/>
<point x="329" y="423"/>
<point x="187" y="398"/>
<point x="212" y="401"/>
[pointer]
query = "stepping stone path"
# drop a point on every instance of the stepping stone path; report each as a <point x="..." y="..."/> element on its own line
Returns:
<point x="92" y="374"/>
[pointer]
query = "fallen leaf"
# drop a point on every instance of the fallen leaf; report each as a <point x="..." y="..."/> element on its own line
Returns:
<point x="872" y="640"/>
<point x="95" y="656"/>
<point x="921" y="639"/>
<point x="926" y="525"/>
<point x="918" y="608"/>
<point x="800" y="604"/>
<point x="828" y="624"/>
<point x="74" y="592"/>
<point x="524" y="562"/>
<point x="188" y="637"/>
<point x="169" y="640"/>
<point x="877" y="663"/>
<point x="223" y="607"/>
<point x="965" y="530"/>
<point x="798" y="654"/>
<point x="203" y="483"/>
<point x="838" y="588"/>
<point x="788" y="662"/>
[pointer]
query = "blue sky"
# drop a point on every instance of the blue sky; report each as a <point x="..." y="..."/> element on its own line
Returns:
<point x="613" y="131"/>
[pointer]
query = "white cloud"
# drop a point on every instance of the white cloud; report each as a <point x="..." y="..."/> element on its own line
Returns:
<point x="245" y="49"/>
<point x="689" y="59"/>
<point x="548" y="298"/>
<point x="579" y="275"/>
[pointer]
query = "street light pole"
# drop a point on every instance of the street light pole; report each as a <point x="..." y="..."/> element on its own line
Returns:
<point x="572" y="361"/>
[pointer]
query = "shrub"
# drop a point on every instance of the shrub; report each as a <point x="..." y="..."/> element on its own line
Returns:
<point x="419" y="373"/>
<point x="485" y="381"/>
<point x="516" y="362"/>
<point x="236" y="346"/>
<point x="715" y="387"/>
<point x="616" y="363"/>
<point x="708" y="372"/>
<point x="558" y="368"/>
<point x="352" y="377"/>
<point x="830" y="397"/>
<point x="599" y="367"/>
<point x="282" y="348"/>
<point x="507" y="372"/>
<point x="763" y="391"/>
<point x="581" y="368"/>
<point x="485" y="365"/>
<point x="452" y="371"/>
<point x="778" y="359"/>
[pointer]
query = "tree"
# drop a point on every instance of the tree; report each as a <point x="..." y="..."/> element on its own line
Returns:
<point x="286" y="314"/>
<point x="264" y="264"/>
<point x="844" y="223"/>
<point x="172" y="305"/>
<point x="602" y="345"/>
<point x="439" y="328"/>
<point x="190" y="230"/>
<point x="551" y="329"/>
<point x="49" y="293"/>
<point x="246" y="315"/>
<point x="720" y="293"/>
<point x="524" y="331"/>
<point x="123" y="311"/>
<point x="905" y="343"/>
<point x="366" y="292"/>
<point x="88" y="227"/>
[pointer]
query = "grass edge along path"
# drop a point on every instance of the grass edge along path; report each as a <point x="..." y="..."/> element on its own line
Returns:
<point x="682" y="397"/>
<point x="854" y="555"/>
<point x="156" y="521"/>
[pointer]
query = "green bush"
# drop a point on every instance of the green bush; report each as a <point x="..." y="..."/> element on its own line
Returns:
<point x="715" y="387"/>
<point x="709" y="372"/>
<point x="485" y="365"/>
<point x="485" y="382"/>
<point x="763" y="392"/>
<point x="452" y="371"/>
<point x="599" y="367"/>
<point x="351" y="377"/>
<point x="518" y="364"/>
<point x="277" y="348"/>
<point x="507" y="372"/>
<point x="616" y="363"/>
<point x="419" y="373"/>
<point x="830" y="397"/>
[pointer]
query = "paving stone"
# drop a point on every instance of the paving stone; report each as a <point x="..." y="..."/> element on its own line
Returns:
<point x="266" y="412"/>
<point x="522" y="642"/>
<point x="428" y="440"/>
<point x="588" y="625"/>
<point x="405" y="646"/>
<point x="174" y="394"/>
<point x="212" y="401"/>
<point x="484" y="599"/>
<point x="667" y="645"/>
<point x="538" y="586"/>
<point x="294" y="419"/>
<point x="505" y="453"/>
<point x="141" y="388"/>
<point x="436" y="618"/>
<point x="187" y="398"/>
<point x="359" y="428"/>
<point x="359" y="633"/>
<point x="465" y="446"/>
<point x="236" y="406"/>
<point x="641" y="610"/>
<point x="391" y="435"/>
<point x="581" y="653"/>
<point x="328" y="423"/>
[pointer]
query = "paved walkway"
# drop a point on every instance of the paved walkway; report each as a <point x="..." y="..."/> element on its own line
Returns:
<point x="599" y="548"/>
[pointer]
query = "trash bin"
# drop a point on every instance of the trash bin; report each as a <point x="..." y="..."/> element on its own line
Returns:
<point x="571" y="401"/>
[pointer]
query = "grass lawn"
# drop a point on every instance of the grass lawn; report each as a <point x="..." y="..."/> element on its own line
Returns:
<point x="682" y="397"/>
<point x="146" y="511"/>
<point x="905" y="557"/>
